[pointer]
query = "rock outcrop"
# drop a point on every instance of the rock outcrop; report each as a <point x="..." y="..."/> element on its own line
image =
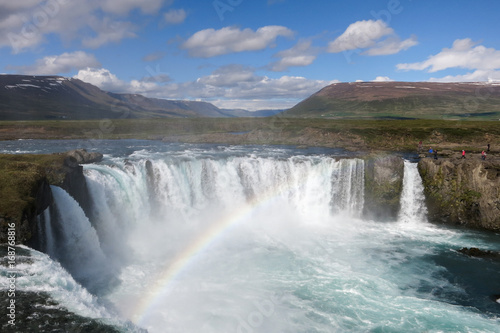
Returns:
<point x="74" y="181"/>
<point x="81" y="156"/>
<point x="25" y="188"/>
<point x="33" y="204"/>
<point x="460" y="191"/>
<point x="383" y="186"/>
<point x="478" y="253"/>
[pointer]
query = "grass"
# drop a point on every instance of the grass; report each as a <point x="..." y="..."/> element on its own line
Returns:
<point x="20" y="178"/>
<point x="369" y="134"/>
<point x="411" y="107"/>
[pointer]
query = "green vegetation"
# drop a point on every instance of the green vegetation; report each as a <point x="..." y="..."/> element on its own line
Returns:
<point x="428" y="107"/>
<point x="20" y="179"/>
<point x="400" y="135"/>
<point x="402" y="100"/>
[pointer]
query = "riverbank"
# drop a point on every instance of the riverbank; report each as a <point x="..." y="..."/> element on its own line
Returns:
<point x="355" y="135"/>
<point x="462" y="191"/>
<point x="458" y="191"/>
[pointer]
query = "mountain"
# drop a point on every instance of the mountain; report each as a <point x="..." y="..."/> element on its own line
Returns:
<point x="402" y="100"/>
<point x="25" y="97"/>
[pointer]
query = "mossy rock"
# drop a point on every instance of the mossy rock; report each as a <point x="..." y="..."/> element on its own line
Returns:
<point x="24" y="190"/>
<point x="383" y="186"/>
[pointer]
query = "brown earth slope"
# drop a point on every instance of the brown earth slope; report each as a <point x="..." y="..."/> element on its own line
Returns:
<point x="476" y="100"/>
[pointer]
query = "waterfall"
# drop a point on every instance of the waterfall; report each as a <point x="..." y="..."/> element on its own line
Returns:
<point x="49" y="234"/>
<point x="228" y="240"/>
<point x="147" y="208"/>
<point x="45" y="233"/>
<point x="76" y="244"/>
<point x="348" y="187"/>
<point x="412" y="202"/>
<point x="183" y="189"/>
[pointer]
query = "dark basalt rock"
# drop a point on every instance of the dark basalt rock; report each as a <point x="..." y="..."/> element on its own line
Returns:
<point x="478" y="253"/>
<point x="462" y="191"/>
<point x="383" y="186"/>
<point x="30" y="194"/>
<point x="81" y="156"/>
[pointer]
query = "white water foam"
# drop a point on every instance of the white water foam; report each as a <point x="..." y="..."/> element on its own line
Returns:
<point x="302" y="260"/>
<point x="412" y="202"/>
<point x="78" y="249"/>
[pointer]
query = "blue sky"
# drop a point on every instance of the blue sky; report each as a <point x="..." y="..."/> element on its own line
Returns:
<point x="249" y="54"/>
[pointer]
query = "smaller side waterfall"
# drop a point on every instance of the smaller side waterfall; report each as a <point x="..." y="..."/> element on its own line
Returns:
<point x="75" y="243"/>
<point x="46" y="241"/>
<point x="412" y="200"/>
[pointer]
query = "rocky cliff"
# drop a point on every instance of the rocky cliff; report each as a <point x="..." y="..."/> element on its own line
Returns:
<point x="25" y="188"/>
<point x="462" y="191"/>
<point x="383" y="186"/>
<point x="457" y="191"/>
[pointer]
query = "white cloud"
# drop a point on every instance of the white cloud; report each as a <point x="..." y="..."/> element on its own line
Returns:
<point x="375" y="36"/>
<point x="391" y="46"/>
<point x="123" y="7"/>
<point x="230" y="76"/>
<point x="228" y="85"/>
<point x="476" y="76"/>
<point x="9" y="6"/>
<point x="142" y="87"/>
<point x="382" y="79"/>
<point x="360" y="35"/>
<point x="158" y="78"/>
<point x="292" y="87"/>
<point x="153" y="56"/>
<point x="24" y="24"/>
<point x="108" y="31"/>
<point x="59" y="64"/>
<point x="103" y="79"/>
<point x="302" y="54"/>
<point x="210" y="42"/>
<point x="254" y="104"/>
<point x="463" y="54"/>
<point x="264" y="93"/>
<point x="175" y="16"/>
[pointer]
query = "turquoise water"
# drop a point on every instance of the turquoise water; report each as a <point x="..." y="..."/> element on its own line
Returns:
<point x="300" y="259"/>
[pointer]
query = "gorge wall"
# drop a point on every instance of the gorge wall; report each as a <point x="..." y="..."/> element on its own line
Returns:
<point x="465" y="192"/>
<point x="462" y="191"/>
<point x="25" y="188"/>
<point x="383" y="186"/>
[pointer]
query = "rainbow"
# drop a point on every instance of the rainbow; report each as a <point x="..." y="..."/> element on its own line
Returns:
<point x="162" y="284"/>
<point x="157" y="291"/>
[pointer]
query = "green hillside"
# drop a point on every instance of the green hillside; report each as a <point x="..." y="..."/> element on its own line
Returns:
<point x="402" y="100"/>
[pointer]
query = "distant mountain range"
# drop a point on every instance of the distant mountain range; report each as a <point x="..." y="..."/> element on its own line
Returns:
<point x="402" y="100"/>
<point x="53" y="97"/>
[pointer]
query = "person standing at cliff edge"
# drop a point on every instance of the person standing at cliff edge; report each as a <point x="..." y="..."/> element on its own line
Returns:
<point x="463" y="153"/>
<point x="483" y="155"/>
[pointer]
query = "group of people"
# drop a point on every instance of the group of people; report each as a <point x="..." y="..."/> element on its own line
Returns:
<point x="433" y="152"/>
<point x="483" y="153"/>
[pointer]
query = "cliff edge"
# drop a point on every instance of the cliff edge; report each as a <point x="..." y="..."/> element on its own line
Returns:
<point x="462" y="191"/>
<point x="383" y="185"/>
<point x="25" y="188"/>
